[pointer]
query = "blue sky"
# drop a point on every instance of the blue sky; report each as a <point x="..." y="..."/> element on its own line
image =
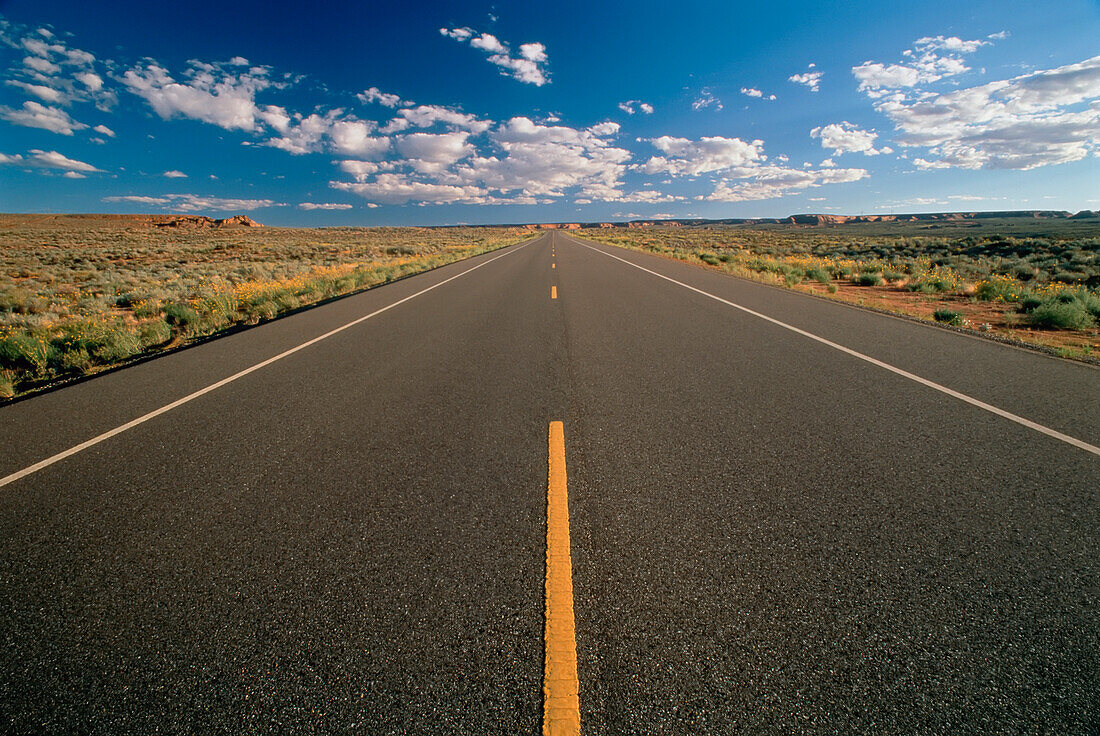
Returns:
<point x="439" y="113"/>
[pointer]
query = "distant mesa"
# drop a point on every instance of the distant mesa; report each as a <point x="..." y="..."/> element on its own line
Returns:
<point x="195" y="221"/>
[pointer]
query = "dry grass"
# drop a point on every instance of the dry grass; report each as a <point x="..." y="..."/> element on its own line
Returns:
<point x="1040" y="289"/>
<point x="82" y="293"/>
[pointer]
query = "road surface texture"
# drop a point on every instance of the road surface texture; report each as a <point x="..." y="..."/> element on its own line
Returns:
<point x="769" y="534"/>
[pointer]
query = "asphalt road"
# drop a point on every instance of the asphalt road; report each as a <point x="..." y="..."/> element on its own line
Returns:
<point x="769" y="535"/>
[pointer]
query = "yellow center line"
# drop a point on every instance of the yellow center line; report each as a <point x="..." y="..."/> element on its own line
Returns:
<point x="553" y="265"/>
<point x="553" y="292"/>
<point x="561" y="688"/>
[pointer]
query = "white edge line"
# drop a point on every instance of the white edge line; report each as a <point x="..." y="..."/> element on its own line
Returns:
<point x="893" y="369"/>
<point x="240" y="374"/>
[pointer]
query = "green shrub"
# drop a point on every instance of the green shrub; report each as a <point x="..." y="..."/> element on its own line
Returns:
<point x="1029" y="303"/>
<point x="154" y="332"/>
<point x="1070" y="277"/>
<point x="27" y="351"/>
<point x="180" y="315"/>
<point x="868" y="279"/>
<point x="819" y="274"/>
<point x="948" y="316"/>
<point x="118" y="343"/>
<point x="7" y="387"/>
<point x="1057" y="315"/>
<point x="921" y="286"/>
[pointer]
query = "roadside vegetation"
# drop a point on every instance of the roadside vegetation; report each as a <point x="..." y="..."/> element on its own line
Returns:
<point x="80" y="294"/>
<point x="1041" y="288"/>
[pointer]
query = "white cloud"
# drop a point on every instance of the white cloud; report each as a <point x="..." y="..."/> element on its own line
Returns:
<point x="342" y="134"/>
<point x="846" y="138"/>
<point x="434" y="152"/>
<point x="809" y="79"/>
<point x="304" y="135"/>
<point x="41" y="91"/>
<point x="353" y="138"/>
<point x="213" y="93"/>
<point x="684" y="157"/>
<point x="932" y="58"/>
<point x="196" y="203"/>
<point x="705" y="100"/>
<point x="324" y="206"/>
<point x="91" y="80"/>
<point x="753" y="92"/>
<point x="53" y="72"/>
<point x="425" y="116"/>
<point x="362" y="170"/>
<point x="529" y="66"/>
<point x="400" y="188"/>
<point x="632" y="106"/>
<point x="1036" y="119"/>
<point x="744" y="173"/>
<point x="173" y="174"/>
<point x="36" y="115"/>
<point x="42" y="66"/>
<point x="48" y="160"/>
<point x="527" y="163"/>
<point x="73" y="175"/>
<point x="374" y="94"/>
<point x="772" y="181"/>
<point x="104" y="130"/>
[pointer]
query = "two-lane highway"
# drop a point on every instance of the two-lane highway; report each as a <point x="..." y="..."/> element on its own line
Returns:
<point x="765" y="532"/>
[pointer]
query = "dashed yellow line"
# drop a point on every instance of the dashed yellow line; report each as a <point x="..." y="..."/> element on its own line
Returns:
<point x="561" y="688"/>
<point x="553" y="292"/>
<point x="553" y="265"/>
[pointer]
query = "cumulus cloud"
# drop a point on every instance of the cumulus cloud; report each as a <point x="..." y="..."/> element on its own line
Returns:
<point x="528" y="67"/>
<point x="40" y="159"/>
<point x="196" y="203"/>
<point x="434" y="152"/>
<point x="40" y="65"/>
<point x="525" y="163"/>
<point x="324" y="206"/>
<point x="219" y="94"/>
<point x="173" y="174"/>
<point x="744" y="173"/>
<point x="932" y="58"/>
<point x="54" y="72"/>
<point x="401" y="188"/>
<point x="809" y="78"/>
<point x="36" y="115"/>
<point x="104" y="130"/>
<point x="334" y="131"/>
<point x="684" y="157"/>
<point x="41" y="91"/>
<point x="753" y="92"/>
<point x="425" y="116"/>
<point x="770" y="182"/>
<point x="374" y="94"/>
<point x="846" y="138"/>
<point x="632" y="106"/>
<point x="1036" y="119"/>
<point x="705" y="100"/>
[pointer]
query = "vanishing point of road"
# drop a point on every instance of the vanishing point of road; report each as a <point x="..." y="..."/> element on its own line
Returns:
<point x="559" y="487"/>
